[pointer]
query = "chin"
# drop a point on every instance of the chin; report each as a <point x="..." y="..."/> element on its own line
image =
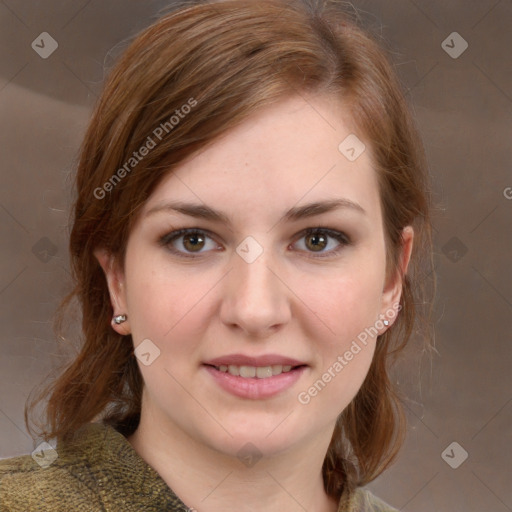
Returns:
<point x="258" y="440"/>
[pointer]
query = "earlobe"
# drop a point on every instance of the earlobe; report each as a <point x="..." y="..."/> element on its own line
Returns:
<point x="115" y="283"/>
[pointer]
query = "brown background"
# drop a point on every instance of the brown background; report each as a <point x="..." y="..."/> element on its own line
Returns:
<point x="464" y="109"/>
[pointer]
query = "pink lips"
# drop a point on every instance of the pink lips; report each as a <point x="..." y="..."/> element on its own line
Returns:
<point x="255" y="388"/>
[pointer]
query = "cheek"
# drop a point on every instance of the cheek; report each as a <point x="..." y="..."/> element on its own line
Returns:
<point x="348" y="303"/>
<point x="159" y="306"/>
<point x="168" y="310"/>
<point x="345" y="351"/>
<point x="170" y="306"/>
<point x="157" y="301"/>
<point x="345" y="302"/>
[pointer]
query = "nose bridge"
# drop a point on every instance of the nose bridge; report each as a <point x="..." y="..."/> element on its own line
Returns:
<point x="256" y="299"/>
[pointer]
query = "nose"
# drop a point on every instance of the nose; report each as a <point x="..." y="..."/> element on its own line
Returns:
<point x="256" y="299"/>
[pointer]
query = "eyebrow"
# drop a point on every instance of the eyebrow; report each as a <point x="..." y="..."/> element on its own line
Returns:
<point x="293" y="214"/>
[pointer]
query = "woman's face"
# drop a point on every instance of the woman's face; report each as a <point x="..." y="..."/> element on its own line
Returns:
<point x="249" y="328"/>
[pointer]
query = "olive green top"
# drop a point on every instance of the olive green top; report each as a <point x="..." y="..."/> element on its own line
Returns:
<point x="100" y="471"/>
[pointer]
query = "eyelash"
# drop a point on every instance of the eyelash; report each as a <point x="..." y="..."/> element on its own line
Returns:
<point x="341" y="237"/>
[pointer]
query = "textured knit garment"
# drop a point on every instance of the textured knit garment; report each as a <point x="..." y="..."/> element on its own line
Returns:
<point x="100" y="471"/>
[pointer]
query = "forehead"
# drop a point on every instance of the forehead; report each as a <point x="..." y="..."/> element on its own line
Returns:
<point x="282" y="156"/>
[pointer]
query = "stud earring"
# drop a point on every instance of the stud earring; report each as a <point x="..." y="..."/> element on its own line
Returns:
<point x="386" y="322"/>
<point x="119" y="319"/>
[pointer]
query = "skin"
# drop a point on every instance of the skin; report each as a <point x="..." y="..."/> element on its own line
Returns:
<point x="292" y="301"/>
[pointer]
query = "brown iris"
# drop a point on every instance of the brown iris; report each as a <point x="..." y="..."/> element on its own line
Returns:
<point x="193" y="241"/>
<point x="319" y="241"/>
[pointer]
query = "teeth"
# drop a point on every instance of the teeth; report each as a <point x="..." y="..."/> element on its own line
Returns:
<point x="247" y="371"/>
<point x="277" y="369"/>
<point x="261" y="372"/>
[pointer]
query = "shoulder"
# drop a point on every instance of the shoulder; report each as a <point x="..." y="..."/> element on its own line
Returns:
<point x="25" y="485"/>
<point x="364" y="501"/>
<point x="97" y="470"/>
<point x="53" y="479"/>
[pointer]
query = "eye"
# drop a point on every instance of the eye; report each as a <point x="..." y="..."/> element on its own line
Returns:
<point x="317" y="239"/>
<point x="189" y="243"/>
<point x="192" y="241"/>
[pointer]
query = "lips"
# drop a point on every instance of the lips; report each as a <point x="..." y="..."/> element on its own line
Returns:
<point x="255" y="377"/>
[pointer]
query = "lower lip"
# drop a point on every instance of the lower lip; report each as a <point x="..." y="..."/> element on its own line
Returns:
<point x="253" y="387"/>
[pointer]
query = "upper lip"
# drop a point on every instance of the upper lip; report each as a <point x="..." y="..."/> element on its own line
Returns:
<point x="243" y="360"/>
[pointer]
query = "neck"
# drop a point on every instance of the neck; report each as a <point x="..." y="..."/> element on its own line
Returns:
<point x="209" y="481"/>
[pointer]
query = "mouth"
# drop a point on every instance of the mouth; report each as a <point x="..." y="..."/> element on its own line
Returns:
<point x="255" y="377"/>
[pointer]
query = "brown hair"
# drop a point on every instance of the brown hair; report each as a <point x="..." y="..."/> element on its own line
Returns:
<point x="233" y="57"/>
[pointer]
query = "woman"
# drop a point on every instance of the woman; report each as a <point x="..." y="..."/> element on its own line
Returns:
<point x="251" y="216"/>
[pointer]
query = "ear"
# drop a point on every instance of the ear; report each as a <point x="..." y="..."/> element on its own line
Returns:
<point x="116" y="288"/>
<point x="393" y="289"/>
